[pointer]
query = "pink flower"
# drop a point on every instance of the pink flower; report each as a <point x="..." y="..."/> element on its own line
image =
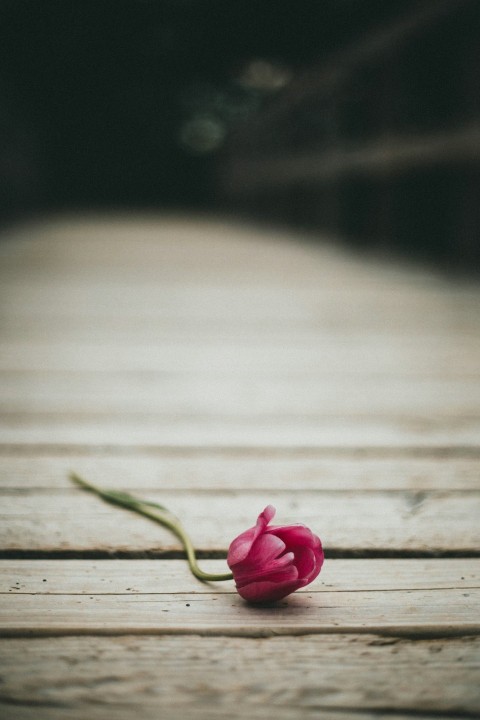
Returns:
<point x="270" y="562"/>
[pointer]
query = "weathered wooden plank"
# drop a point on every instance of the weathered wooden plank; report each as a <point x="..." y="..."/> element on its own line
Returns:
<point x="255" y="297"/>
<point x="166" y="248"/>
<point x="332" y="325"/>
<point x="330" y="675"/>
<point x="239" y="469"/>
<point x="250" y="304"/>
<point x="205" y="712"/>
<point x="64" y="286"/>
<point x="143" y="329"/>
<point x="73" y="520"/>
<point x="315" y="356"/>
<point x="281" y="396"/>
<point x="127" y="577"/>
<point x="122" y="333"/>
<point x="136" y="343"/>
<point x="208" y="252"/>
<point x="239" y="431"/>
<point x="220" y="611"/>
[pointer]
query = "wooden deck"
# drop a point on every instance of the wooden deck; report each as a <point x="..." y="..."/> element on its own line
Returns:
<point x="218" y="369"/>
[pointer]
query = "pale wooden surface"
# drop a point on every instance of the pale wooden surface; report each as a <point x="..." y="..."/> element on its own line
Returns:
<point x="263" y="677"/>
<point x="218" y="369"/>
<point x="426" y="522"/>
<point x="427" y="597"/>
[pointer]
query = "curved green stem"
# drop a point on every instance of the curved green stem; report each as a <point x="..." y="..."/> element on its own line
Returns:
<point x="159" y="514"/>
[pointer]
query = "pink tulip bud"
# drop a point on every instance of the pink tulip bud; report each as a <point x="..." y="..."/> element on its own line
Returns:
<point x="270" y="562"/>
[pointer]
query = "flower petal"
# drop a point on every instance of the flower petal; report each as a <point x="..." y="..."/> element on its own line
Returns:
<point x="295" y="535"/>
<point x="267" y="591"/>
<point x="306" y="564"/>
<point x="265" y="549"/>
<point x="240" y="547"/>
<point x="252" y="573"/>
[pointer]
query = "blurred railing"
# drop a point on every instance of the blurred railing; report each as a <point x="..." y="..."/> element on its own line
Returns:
<point x="380" y="144"/>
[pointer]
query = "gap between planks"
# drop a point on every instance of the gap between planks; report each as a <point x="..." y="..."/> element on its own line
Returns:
<point x="238" y="452"/>
<point x="424" y="431"/>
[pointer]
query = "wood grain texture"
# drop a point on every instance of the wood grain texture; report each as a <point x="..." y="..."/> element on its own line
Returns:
<point x="205" y="712"/>
<point x="428" y="522"/>
<point x="231" y="396"/>
<point x="316" y="355"/>
<point x="162" y="470"/>
<point x="202" y="333"/>
<point x="127" y="577"/>
<point x="186" y="431"/>
<point x="217" y="368"/>
<point x="189" y="676"/>
<point x="429" y="612"/>
<point x="209" y="610"/>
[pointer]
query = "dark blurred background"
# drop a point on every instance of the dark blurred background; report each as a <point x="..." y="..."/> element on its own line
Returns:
<point x="359" y="118"/>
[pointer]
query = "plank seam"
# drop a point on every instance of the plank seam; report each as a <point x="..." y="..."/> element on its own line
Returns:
<point x="355" y="452"/>
<point x="331" y="553"/>
<point x="382" y="632"/>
